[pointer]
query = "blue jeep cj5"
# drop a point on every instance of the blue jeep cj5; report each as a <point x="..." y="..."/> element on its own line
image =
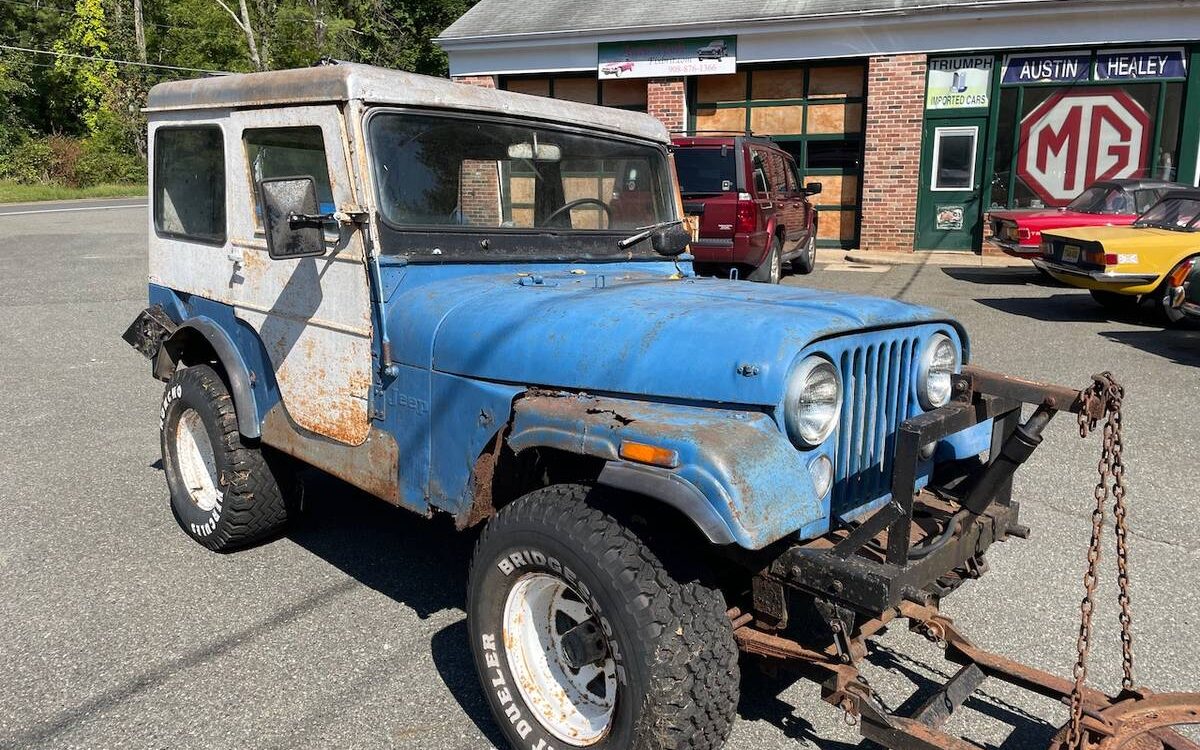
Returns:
<point x="474" y="302"/>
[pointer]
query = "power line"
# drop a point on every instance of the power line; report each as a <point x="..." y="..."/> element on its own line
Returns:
<point x="112" y="60"/>
<point x="70" y="11"/>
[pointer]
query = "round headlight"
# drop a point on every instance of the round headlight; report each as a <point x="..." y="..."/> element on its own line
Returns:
<point x="814" y="401"/>
<point x="938" y="362"/>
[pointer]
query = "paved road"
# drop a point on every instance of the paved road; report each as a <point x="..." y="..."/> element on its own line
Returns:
<point x="64" y="207"/>
<point x="116" y="631"/>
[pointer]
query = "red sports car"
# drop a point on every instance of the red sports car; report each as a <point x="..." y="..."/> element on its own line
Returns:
<point x="1110" y="202"/>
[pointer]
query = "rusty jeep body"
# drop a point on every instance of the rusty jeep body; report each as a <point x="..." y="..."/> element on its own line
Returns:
<point x="473" y="302"/>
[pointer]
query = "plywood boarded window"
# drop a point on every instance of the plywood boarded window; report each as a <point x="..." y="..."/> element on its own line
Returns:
<point x="813" y="111"/>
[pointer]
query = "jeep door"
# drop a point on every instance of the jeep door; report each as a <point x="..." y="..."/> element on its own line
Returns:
<point x="313" y="315"/>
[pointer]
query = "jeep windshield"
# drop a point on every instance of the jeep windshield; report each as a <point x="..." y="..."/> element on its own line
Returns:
<point x="487" y="189"/>
<point x="1177" y="214"/>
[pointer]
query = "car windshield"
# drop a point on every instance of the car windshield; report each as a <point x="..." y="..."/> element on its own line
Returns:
<point x="460" y="177"/>
<point x="1179" y="214"/>
<point x="1100" y="199"/>
<point x="705" y="170"/>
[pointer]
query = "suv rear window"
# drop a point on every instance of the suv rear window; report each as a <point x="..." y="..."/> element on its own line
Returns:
<point x="705" y="170"/>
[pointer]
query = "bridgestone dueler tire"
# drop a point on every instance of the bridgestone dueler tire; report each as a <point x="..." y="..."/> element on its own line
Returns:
<point x="251" y="503"/>
<point x="670" y="636"/>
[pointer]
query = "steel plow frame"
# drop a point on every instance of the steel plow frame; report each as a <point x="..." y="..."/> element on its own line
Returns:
<point x="883" y="571"/>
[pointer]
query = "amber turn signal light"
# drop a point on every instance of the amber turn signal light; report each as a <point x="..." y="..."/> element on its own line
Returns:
<point x="649" y="454"/>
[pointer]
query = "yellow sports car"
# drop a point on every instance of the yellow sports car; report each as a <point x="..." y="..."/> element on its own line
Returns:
<point x="1125" y="266"/>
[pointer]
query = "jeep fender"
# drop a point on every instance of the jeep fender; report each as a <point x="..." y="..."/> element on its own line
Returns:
<point x="231" y="360"/>
<point x="737" y="477"/>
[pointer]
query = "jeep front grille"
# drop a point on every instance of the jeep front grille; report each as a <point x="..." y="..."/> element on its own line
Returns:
<point x="878" y="394"/>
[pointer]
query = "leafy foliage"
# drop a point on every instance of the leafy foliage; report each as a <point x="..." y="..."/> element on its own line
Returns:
<point x="73" y="116"/>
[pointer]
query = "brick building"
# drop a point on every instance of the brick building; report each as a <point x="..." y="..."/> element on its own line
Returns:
<point x="916" y="116"/>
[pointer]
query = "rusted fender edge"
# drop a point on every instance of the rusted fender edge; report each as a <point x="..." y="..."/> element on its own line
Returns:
<point x="739" y="479"/>
<point x="231" y="359"/>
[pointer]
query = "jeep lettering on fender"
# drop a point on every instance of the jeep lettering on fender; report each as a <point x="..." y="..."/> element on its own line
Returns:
<point x="401" y="281"/>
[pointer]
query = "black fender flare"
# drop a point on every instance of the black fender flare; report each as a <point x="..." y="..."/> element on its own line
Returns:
<point x="238" y="374"/>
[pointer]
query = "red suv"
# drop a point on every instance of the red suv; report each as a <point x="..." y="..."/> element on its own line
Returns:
<point x="752" y="209"/>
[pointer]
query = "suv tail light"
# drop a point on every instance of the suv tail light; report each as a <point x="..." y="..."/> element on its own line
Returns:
<point x="747" y="216"/>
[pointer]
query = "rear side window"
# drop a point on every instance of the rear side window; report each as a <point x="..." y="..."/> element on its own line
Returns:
<point x="761" y="183"/>
<point x="289" y="152"/>
<point x="706" y="170"/>
<point x="189" y="183"/>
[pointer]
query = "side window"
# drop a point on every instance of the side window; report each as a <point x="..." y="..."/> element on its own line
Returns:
<point x="761" y="183"/>
<point x="189" y="183"/>
<point x="795" y="185"/>
<point x="288" y="152"/>
<point x="776" y="172"/>
<point x="1145" y="199"/>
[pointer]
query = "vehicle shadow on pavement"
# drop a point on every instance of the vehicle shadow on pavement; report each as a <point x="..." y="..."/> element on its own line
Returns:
<point x="761" y="701"/>
<point x="452" y="659"/>
<point x="1003" y="276"/>
<point x="1071" y="307"/>
<point x="419" y="563"/>
<point x="1179" y="346"/>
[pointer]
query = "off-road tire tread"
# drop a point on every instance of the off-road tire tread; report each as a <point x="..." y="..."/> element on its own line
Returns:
<point x="695" y="681"/>
<point x="253" y="506"/>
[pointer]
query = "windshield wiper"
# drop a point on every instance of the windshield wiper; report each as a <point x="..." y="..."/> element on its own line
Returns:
<point x="644" y="232"/>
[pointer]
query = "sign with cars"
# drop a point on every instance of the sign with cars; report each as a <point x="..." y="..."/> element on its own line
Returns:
<point x="959" y="82"/>
<point x="667" y="57"/>
<point x="1079" y="136"/>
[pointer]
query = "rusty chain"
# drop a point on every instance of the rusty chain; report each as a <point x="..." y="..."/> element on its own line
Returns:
<point x="1103" y="400"/>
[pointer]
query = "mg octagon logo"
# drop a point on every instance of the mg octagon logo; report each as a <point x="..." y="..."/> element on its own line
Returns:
<point x="1077" y="137"/>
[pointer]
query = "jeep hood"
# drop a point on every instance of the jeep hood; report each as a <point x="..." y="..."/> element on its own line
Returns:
<point x="629" y="332"/>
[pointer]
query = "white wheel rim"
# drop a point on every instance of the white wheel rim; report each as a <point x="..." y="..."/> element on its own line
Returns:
<point x="197" y="463"/>
<point x="576" y="706"/>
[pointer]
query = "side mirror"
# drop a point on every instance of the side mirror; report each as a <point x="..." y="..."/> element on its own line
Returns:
<point x="670" y="240"/>
<point x="293" y="227"/>
<point x="813" y="188"/>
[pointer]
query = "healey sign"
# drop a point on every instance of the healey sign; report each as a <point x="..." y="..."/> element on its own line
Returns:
<point x="1079" y="136"/>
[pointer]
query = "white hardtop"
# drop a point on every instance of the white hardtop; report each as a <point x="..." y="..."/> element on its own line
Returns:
<point x="344" y="82"/>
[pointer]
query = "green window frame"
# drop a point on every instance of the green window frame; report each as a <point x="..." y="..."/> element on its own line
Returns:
<point x="798" y="144"/>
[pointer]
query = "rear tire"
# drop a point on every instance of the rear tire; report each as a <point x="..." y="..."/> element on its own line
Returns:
<point x="559" y="586"/>
<point x="1124" y="304"/>
<point x="224" y="493"/>
<point x="771" y="270"/>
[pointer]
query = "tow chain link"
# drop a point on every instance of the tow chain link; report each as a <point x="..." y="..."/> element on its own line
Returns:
<point x="1103" y="400"/>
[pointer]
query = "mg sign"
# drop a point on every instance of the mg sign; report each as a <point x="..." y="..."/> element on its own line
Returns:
<point x="1079" y="136"/>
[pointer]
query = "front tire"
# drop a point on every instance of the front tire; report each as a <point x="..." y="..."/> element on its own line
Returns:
<point x="583" y="637"/>
<point x="224" y="493"/>
<point x="807" y="260"/>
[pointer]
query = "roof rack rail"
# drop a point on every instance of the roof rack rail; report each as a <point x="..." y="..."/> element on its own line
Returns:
<point x="701" y="133"/>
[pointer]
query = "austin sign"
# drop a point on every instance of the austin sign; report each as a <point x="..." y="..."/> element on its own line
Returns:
<point x="1079" y="136"/>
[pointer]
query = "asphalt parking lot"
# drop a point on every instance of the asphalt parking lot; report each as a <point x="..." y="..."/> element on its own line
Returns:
<point x="116" y="631"/>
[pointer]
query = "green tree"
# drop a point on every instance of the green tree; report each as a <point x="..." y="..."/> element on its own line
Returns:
<point x="87" y="79"/>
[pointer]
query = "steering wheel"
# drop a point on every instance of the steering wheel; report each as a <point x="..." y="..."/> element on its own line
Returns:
<point x="575" y="204"/>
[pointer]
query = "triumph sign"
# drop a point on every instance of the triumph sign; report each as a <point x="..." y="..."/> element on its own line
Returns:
<point x="1079" y="136"/>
